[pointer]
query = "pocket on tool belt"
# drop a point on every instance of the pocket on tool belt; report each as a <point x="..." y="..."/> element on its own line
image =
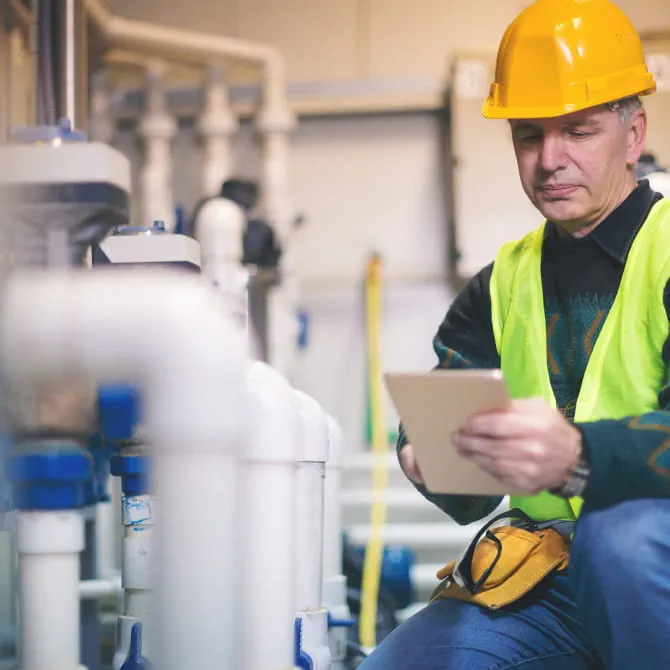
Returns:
<point x="505" y="565"/>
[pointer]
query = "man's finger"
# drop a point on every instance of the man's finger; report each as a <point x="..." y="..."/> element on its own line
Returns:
<point x="510" y="449"/>
<point x="506" y="425"/>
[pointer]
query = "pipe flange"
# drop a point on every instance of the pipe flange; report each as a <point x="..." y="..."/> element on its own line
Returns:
<point x="49" y="481"/>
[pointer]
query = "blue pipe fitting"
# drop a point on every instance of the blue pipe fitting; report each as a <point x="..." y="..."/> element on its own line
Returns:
<point x="50" y="480"/>
<point x="339" y="623"/>
<point x="302" y="660"/>
<point x="118" y="411"/>
<point x="134" y="473"/>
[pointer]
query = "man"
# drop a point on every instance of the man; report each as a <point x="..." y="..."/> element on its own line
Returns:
<point x="577" y="317"/>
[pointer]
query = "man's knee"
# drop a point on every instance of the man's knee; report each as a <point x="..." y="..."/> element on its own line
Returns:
<point x="617" y="542"/>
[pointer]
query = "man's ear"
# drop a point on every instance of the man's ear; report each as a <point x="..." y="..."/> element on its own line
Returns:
<point x="636" y="135"/>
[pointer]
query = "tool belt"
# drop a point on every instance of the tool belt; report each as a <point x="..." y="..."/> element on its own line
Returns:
<point x="504" y="563"/>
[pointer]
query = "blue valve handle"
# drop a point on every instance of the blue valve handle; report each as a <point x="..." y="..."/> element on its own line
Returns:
<point x="302" y="660"/>
<point x="135" y="660"/>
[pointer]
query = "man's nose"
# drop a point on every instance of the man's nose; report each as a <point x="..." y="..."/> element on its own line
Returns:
<point x="552" y="153"/>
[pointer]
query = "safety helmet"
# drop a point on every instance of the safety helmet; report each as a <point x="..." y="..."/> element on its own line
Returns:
<point x="561" y="56"/>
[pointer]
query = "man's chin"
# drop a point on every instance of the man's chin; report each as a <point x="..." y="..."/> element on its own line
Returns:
<point x="560" y="211"/>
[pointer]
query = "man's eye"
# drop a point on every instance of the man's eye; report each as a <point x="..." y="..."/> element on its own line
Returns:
<point x="578" y="134"/>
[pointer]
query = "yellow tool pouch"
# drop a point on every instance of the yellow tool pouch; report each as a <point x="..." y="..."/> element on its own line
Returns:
<point x="503" y="564"/>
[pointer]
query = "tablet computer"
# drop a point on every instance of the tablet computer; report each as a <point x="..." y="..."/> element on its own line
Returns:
<point x="432" y="406"/>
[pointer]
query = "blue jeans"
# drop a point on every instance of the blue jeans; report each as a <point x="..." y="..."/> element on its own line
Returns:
<point x="609" y="611"/>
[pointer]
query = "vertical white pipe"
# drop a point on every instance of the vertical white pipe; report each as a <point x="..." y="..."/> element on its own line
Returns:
<point x="332" y="517"/>
<point x="216" y="125"/>
<point x="334" y="582"/>
<point x="275" y="123"/>
<point x="309" y="539"/>
<point x="310" y="487"/>
<point x="102" y="124"/>
<point x="106" y="532"/>
<point x="138" y="520"/>
<point x="196" y="557"/>
<point x="269" y="598"/>
<point x="49" y="544"/>
<point x="171" y="337"/>
<point x="219" y="230"/>
<point x="157" y="128"/>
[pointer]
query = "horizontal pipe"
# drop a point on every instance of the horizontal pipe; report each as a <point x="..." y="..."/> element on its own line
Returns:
<point x="92" y="589"/>
<point x="188" y="45"/>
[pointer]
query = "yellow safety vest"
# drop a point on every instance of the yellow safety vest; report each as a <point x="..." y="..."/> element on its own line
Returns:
<point x="625" y="371"/>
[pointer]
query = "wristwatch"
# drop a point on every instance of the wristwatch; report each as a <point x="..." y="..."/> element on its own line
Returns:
<point x="577" y="481"/>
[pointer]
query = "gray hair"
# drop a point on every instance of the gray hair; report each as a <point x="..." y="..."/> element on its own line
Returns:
<point x="626" y="107"/>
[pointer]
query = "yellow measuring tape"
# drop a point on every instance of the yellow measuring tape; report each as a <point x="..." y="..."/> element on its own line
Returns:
<point x="372" y="564"/>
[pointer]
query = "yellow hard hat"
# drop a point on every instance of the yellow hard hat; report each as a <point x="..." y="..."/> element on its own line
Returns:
<point x="560" y="56"/>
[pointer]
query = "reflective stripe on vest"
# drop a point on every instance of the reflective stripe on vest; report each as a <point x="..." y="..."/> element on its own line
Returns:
<point x="625" y="371"/>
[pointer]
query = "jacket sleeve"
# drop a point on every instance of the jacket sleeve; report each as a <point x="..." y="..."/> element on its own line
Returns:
<point x="630" y="458"/>
<point x="465" y="340"/>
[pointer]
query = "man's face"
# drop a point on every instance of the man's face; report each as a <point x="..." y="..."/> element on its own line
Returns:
<point x="576" y="168"/>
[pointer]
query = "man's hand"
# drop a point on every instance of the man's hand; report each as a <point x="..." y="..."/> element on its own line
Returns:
<point x="409" y="464"/>
<point x="529" y="447"/>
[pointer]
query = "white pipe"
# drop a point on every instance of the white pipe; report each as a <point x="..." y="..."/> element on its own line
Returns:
<point x="219" y="230"/>
<point x="188" y="45"/>
<point x="105" y="587"/>
<point x="334" y="582"/>
<point x="138" y="520"/>
<point x="168" y="334"/>
<point x="48" y="545"/>
<point x="157" y="128"/>
<point x="102" y="124"/>
<point x="105" y="540"/>
<point x="217" y="124"/>
<point x="269" y="599"/>
<point x="275" y="130"/>
<point x="309" y="540"/>
<point x="332" y="516"/>
<point x="311" y="473"/>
